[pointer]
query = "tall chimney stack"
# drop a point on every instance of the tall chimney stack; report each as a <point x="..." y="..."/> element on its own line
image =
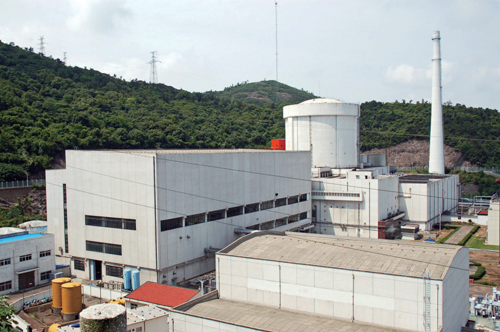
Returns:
<point x="436" y="152"/>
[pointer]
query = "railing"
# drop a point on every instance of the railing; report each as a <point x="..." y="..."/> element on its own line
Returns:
<point x="458" y="168"/>
<point x="22" y="183"/>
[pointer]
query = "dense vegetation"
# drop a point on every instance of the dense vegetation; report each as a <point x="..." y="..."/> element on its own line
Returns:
<point x="262" y="93"/>
<point x="486" y="183"/>
<point x="466" y="129"/>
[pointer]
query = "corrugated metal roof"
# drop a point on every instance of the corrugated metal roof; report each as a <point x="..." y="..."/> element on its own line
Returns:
<point x="164" y="295"/>
<point x="263" y="318"/>
<point x="367" y="255"/>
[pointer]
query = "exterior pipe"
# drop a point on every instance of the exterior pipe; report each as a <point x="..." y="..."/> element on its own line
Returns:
<point x="436" y="150"/>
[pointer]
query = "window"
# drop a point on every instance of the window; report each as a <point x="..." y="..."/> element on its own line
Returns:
<point x="280" y="202"/>
<point x="79" y="264"/>
<point x="114" y="271"/>
<point x="293" y="199"/>
<point x="234" y="211"/>
<point x="303" y="216"/>
<point x="251" y="208"/>
<point x="254" y="227"/>
<point x="25" y="258"/>
<point x="65" y="201"/>
<point x="280" y="222"/>
<point x="266" y="205"/>
<point x="139" y="329"/>
<point x="293" y="218"/>
<point x="216" y="215"/>
<point x="132" y="306"/>
<point x="5" y="261"/>
<point x="66" y="246"/>
<point x="303" y="198"/>
<point x="171" y="224"/>
<point x="106" y="248"/>
<point x="5" y="285"/>
<point x="195" y="219"/>
<point x="267" y="225"/>
<point x="119" y="223"/>
<point x="45" y="253"/>
<point x="45" y="275"/>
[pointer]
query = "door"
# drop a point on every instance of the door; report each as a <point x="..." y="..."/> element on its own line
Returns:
<point x="98" y="270"/>
<point x="26" y="280"/>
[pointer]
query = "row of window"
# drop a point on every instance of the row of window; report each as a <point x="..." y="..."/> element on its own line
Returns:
<point x="24" y="258"/>
<point x="45" y="275"/>
<point x="322" y="193"/>
<point x="45" y="253"/>
<point x="279" y="222"/>
<point x="5" y="261"/>
<point x="199" y="218"/>
<point x="5" y="285"/>
<point x="111" y="270"/>
<point x="79" y="264"/>
<point x="110" y="222"/>
<point x="105" y="248"/>
<point x="65" y="202"/>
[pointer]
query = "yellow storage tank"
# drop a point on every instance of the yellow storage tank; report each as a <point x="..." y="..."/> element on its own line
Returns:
<point x="53" y="327"/>
<point x="71" y="297"/>
<point x="56" y="291"/>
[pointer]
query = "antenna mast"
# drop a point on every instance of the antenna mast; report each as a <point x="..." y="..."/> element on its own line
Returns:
<point x="153" y="77"/>
<point x="42" y="46"/>
<point x="276" y="15"/>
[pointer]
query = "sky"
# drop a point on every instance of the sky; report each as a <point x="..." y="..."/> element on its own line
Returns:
<point x="355" y="51"/>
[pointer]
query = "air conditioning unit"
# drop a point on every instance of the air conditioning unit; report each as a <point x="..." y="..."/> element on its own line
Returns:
<point x="55" y="275"/>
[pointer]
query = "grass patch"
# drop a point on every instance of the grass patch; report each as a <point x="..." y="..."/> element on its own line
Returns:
<point x="478" y="243"/>
<point x="480" y="272"/>
<point x="468" y="236"/>
<point x="443" y="240"/>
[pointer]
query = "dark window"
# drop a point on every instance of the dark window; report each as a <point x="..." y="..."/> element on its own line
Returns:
<point x="118" y="223"/>
<point x="293" y="199"/>
<point x="303" y="198"/>
<point x="251" y="208"/>
<point x="293" y="218"/>
<point x="106" y="248"/>
<point x="195" y="219"/>
<point x="114" y="271"/>
<point x="45" y="275"/>
<point x="5" y="285"/>
<point x="25" y="258"/>
<point x="5" y="261"/>
<point x="44" y="253"/>
<point x="266" y="205"/>
<point x="255" y="227"/>
<point x="216" y="215"/>
<point x="303" y="216"/>
<point x="66" y="246"/>
<point x="280" y="222"/>
<point x="65" y="211"/>
<point x="267" y="225"/>
<point x="234" y="211"/>
<point x="79" y="264"/>
<point x="171" y="224"/>
<point x="280" y="202"/>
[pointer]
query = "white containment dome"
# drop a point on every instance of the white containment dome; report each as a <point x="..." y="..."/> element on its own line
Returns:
<point x="328" y="128"/>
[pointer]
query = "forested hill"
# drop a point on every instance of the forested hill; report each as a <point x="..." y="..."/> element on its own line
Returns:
<point x="475" y="132"/>
<point x="261" y="93"/>
<point x="47" y="107"/>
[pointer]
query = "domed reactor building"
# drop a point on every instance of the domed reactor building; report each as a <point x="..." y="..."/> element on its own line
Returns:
<point x="358" y="195"/>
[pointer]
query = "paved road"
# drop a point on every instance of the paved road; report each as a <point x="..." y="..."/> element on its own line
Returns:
<point x="19" y="295"/>
<point x="459" y="235"/>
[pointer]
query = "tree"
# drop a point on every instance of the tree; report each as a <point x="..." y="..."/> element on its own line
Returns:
<point x="6" y="315"/>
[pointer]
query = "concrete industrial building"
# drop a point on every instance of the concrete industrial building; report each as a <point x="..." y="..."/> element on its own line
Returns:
<point x="165" y="212"/>
<point x="267" y="280"/>
<point x="26" y="259"/>
<point x="357" y="195"/>
<point x="493" y="223"/>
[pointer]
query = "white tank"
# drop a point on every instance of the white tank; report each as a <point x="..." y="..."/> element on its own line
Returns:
<point x="328" y="128"/>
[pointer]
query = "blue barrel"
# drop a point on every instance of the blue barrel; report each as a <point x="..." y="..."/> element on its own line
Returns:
<point x="127" y="275"/>
<point x="136" y="281"/>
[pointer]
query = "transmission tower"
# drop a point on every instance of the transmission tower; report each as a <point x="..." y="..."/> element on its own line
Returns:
<point x="276" y="15"/>
<point x="153" y="77"/>
<point x="64" y="58"/>
<point x="42" y="46"/>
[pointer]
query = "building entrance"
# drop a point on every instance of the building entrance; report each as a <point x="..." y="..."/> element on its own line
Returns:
<point x="26" y="280"/>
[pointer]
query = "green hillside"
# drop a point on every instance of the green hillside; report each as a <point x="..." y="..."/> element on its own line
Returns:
<point x="262" y="93"/>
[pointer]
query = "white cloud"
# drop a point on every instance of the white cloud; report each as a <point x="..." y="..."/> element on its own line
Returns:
<point x="407" y="74"/>
<point x="96" y="15"/>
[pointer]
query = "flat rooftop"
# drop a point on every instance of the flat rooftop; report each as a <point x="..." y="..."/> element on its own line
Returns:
<point x="347" y="253"/>
<point x="421" y="178"/>
<point x="272" y="319"/>
<point x="192" y="151"/>
<point x="19" y="238"/>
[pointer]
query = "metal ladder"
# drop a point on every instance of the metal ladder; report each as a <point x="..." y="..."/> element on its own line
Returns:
<point x="427" y="302"/>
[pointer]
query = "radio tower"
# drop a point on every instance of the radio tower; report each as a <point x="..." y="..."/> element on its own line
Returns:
<point x="42" y="46"/>
<point x="153" y="77"/>
<point x="64" y="58"/>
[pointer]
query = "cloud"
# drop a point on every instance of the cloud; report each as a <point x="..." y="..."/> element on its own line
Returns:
<point x="407" y="74"/>
<point x="97" y="16"/>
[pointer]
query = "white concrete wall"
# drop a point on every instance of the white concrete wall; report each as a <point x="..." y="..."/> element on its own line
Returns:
<point x="387" y="300"/>
<point x="202" y="182"/>
<point x="493" y="224"/>
<point x="15" y="249"/>
<point x="181" y="322"/>
<point x="455" y="293"/>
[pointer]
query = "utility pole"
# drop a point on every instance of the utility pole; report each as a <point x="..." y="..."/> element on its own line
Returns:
<point x="42" y="46"/>
<point x="153" y="77"/>
<point x="276" y="17"/>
